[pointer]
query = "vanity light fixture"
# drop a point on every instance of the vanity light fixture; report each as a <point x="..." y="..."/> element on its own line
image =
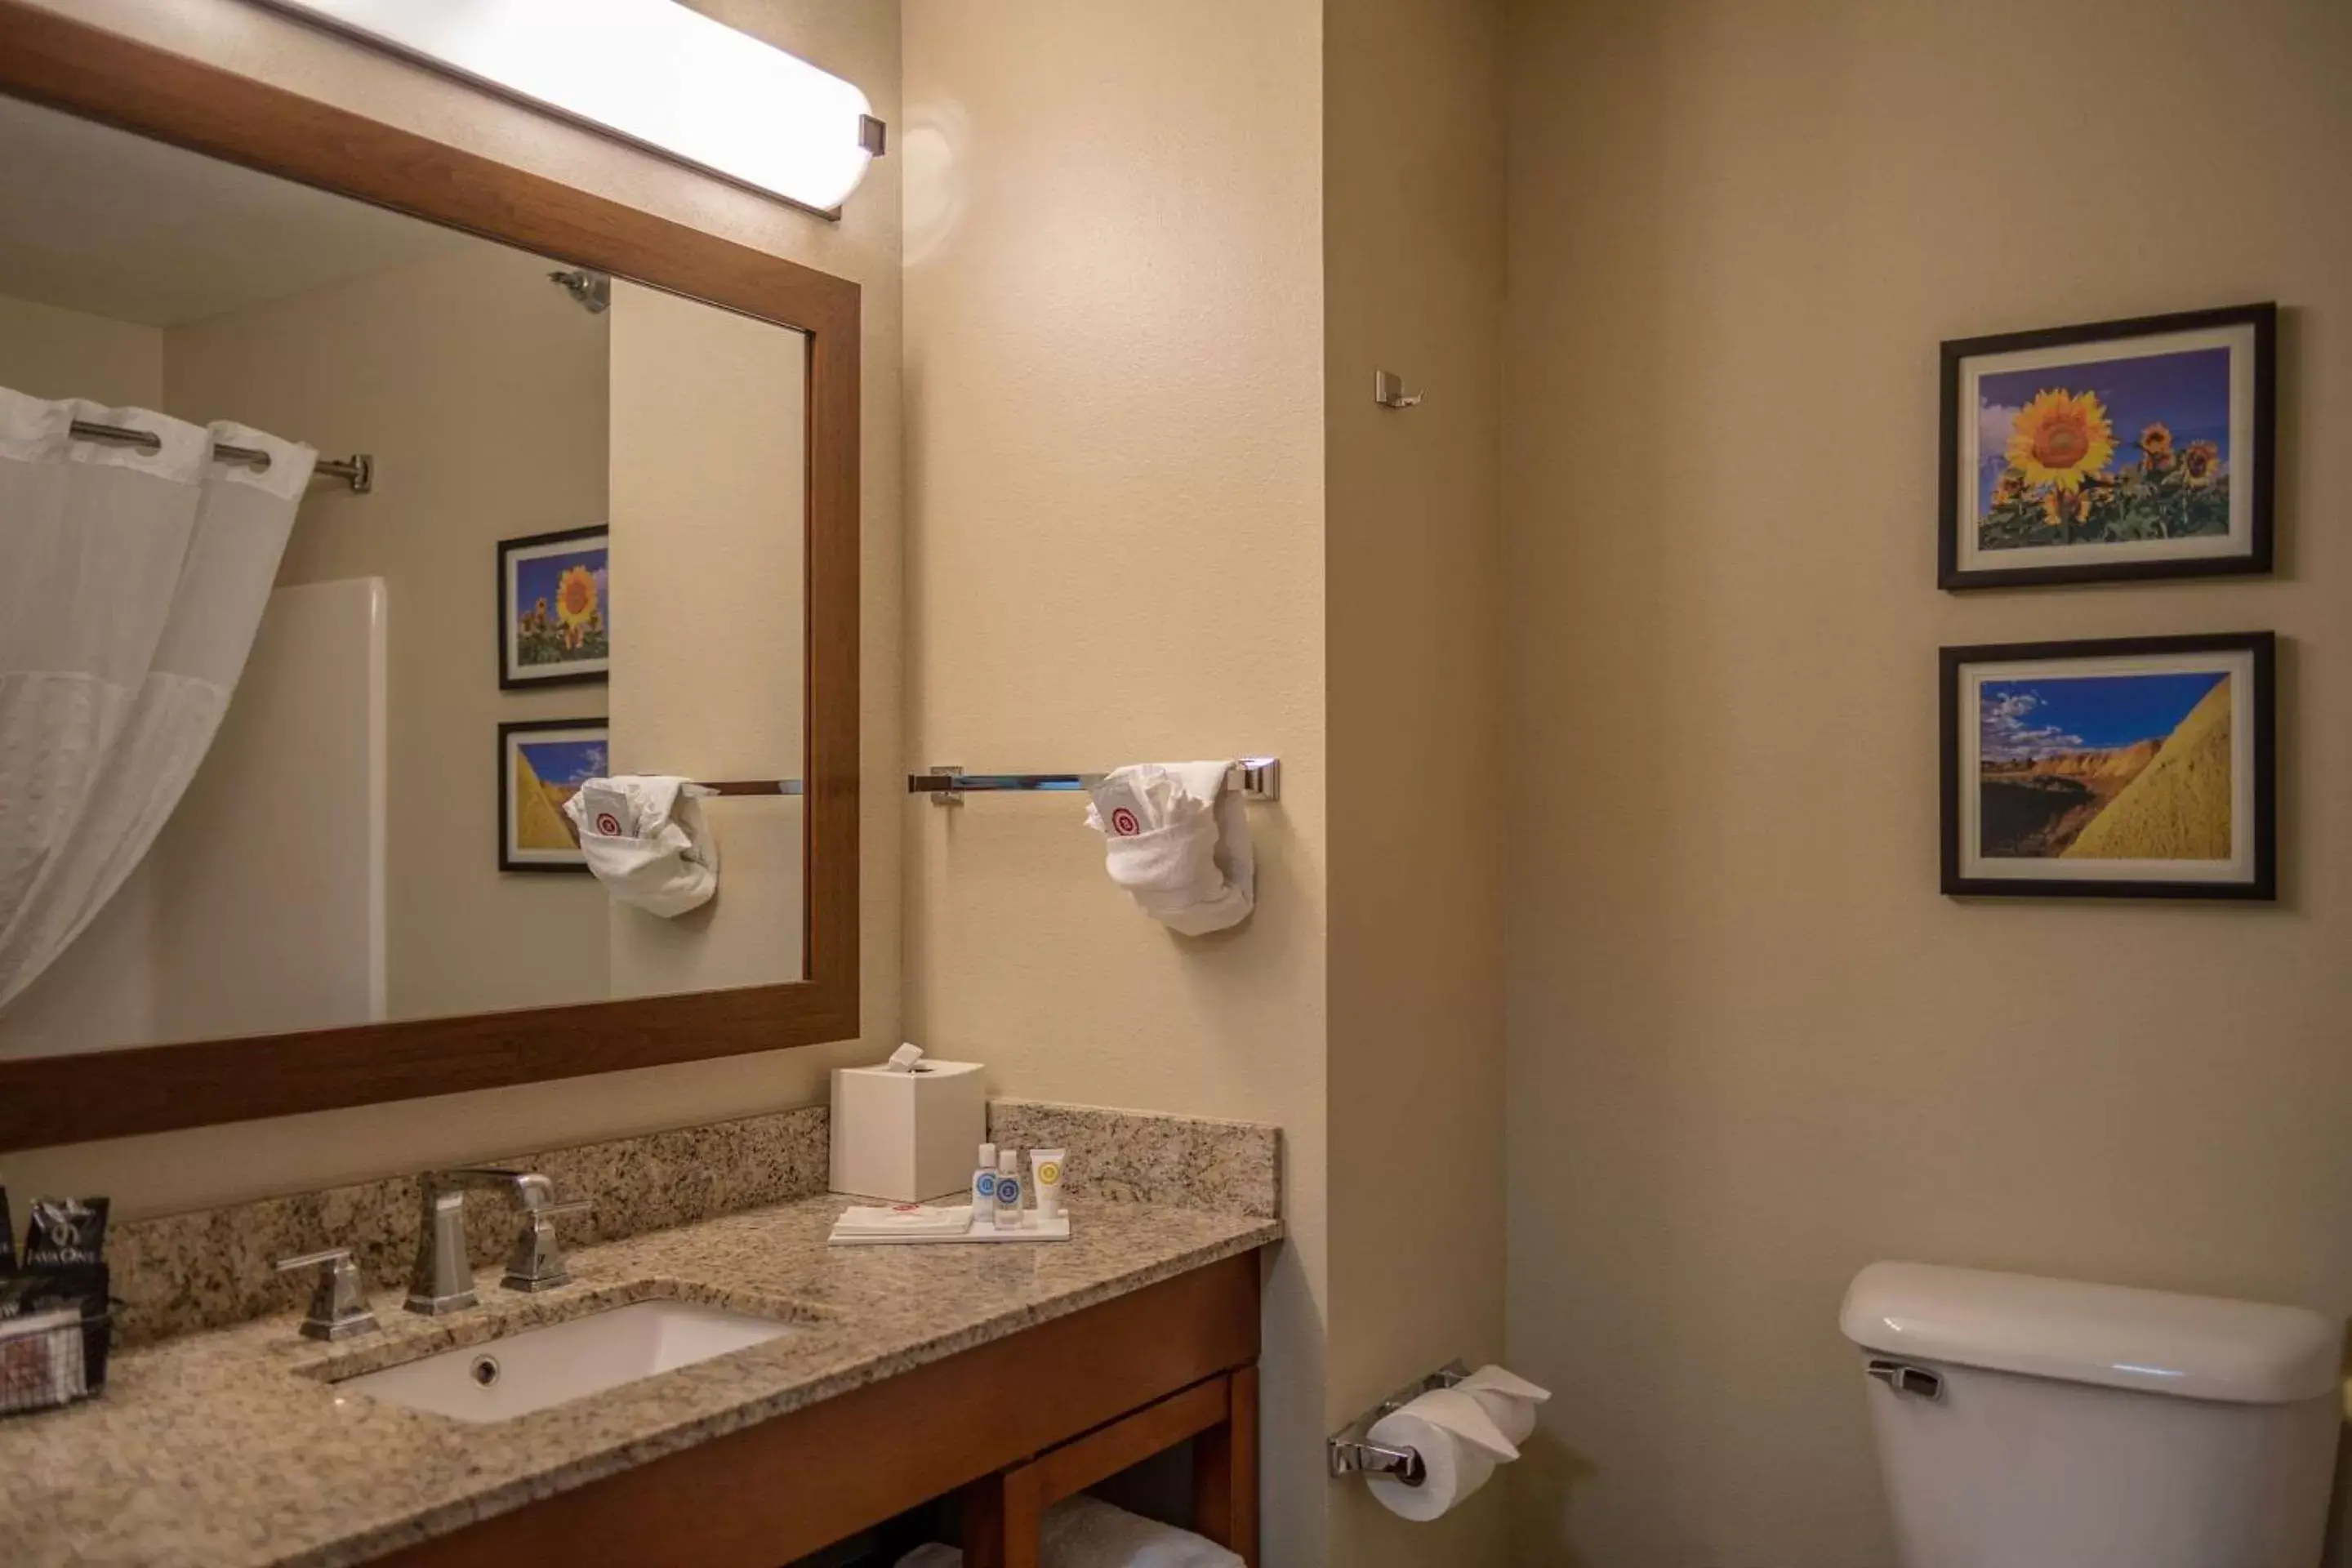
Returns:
<point x="649" y="71"/>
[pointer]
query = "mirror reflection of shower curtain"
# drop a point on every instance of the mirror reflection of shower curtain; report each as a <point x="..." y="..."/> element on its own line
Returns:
<point x="131" y="585"/>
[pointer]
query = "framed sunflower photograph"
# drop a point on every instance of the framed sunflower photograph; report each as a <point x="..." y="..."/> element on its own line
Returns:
<point x="555" y="609"/>
<point x="2129" y="767"/>
<point x="2109" y="452"/>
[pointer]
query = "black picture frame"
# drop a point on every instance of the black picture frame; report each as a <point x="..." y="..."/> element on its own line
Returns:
<point x="1959" y="569"/>
<point x="2258" y="652"/>
<point x="514" y="675"/>
<point x="512" y="856"/>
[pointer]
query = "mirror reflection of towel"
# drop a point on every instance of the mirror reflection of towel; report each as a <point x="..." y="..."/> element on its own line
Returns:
<point x="644" y="837"/>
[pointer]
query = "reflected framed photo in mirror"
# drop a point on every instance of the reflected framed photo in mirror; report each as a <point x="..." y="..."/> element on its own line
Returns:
<point x="2109" y="452"/>
<point x="2119" y="768"/>
<point x="542" y="763"/>
<point x="555" y="609"/>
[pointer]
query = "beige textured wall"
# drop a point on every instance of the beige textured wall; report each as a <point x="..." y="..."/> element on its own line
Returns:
<point x="1412" y="242"/>
<point x="859" y="42"/>
<point x="479" y="388"/>
<point x="1751" y="1048"/>
<point x="708" y="412"/>
<point x="1115" y="422"/>
<point x="46" y="352"/>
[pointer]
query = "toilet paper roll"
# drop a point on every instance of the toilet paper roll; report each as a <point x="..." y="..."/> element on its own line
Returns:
<point x="1508" y="1399"/>
<point x="1457" y="1462"/>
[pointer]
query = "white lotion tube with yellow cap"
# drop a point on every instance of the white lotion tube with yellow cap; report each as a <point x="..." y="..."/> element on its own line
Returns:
<point x="1045" y="1175"/>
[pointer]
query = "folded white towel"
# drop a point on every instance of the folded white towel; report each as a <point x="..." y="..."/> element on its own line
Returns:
<point x="1178" y="841"/>
<point x="904" y="1219"/>
<point x="644" y="837"/>
<point x="1084" y="1532"/>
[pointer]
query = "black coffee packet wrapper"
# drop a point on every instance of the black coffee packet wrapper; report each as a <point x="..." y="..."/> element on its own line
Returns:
<point x="64" y="1233"/>
<point x="7" y="1236"/>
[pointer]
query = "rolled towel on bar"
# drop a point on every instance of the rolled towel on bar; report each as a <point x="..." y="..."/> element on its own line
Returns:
<point x="644" y="837"/>
<point x="1177" y="839"/>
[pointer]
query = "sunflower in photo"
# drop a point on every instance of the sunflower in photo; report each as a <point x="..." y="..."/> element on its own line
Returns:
<point x="2060" y="438"/>
<point x="575" y="602"/>
<point x="2010" y="488"/>
<point x="2200" y="463"/>
<point x="2063" y="508"/>
<point x="2156" y="442"/>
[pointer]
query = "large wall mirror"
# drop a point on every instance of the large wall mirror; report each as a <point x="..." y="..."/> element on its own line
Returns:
<point x="291" y="799"/>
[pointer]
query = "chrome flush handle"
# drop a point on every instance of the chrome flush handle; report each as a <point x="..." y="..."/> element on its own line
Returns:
<point x="1904" y="1378"/>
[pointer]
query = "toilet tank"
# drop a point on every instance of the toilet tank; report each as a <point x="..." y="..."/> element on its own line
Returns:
<point x="2027" y="1423"/>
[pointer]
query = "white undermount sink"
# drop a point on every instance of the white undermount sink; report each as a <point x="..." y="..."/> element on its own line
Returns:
<point x="500" y="1379"/>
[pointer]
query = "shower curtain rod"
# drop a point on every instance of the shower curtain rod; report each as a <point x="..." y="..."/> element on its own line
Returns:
<point x="358" y="470"/>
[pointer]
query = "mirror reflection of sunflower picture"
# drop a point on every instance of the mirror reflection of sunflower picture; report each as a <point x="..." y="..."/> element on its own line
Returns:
<point x="2122" y="449"/>
<point x="555" y="609"/>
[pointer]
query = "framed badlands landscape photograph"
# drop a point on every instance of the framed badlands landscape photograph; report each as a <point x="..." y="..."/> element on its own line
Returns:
<point x="2133" y="767"/>
<point x="2110" y="452"/>
<point x="542" y="763"/>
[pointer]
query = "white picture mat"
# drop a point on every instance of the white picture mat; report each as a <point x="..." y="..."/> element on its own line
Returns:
<point x="2239" y="340"/>
<point x="2238" y="664"/>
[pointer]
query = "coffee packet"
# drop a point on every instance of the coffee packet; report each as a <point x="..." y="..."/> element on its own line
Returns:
<point x="7" y="1236"/>
<point x="64" y="1233"/>
<point x="62" y="1270"/>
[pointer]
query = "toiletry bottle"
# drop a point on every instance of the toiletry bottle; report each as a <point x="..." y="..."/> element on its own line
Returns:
<point x="983" y="1186"/>
<point x="1008" y="1192"/>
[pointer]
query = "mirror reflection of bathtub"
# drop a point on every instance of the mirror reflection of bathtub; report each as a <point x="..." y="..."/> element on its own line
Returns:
<point x="336" y="859"/>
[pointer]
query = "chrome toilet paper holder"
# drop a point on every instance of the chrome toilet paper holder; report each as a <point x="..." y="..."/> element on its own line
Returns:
<point x="1352" y="1452"/>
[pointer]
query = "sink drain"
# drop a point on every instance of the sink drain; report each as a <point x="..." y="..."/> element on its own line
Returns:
<point x="485" y="1370"/>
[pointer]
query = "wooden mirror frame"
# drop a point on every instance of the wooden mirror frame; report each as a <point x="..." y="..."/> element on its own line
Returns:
<point x="84" y="70"/>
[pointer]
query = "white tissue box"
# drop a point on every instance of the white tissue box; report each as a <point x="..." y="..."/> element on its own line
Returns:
<point x="907" y="1136"/>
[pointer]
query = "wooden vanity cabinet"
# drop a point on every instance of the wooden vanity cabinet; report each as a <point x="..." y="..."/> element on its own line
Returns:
<point x="1011" y="1427"/>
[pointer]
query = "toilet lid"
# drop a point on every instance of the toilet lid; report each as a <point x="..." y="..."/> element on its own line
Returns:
<point x="2196" y="1347"/>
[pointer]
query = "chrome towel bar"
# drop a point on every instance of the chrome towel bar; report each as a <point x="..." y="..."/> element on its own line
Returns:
<point x="1255" y="778"/>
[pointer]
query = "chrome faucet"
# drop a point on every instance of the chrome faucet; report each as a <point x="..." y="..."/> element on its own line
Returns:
<point x="442" y="1280"/>
<point x="339" y="1303"/>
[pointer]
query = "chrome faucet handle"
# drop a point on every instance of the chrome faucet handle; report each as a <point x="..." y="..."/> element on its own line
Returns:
<point x="339" y="1303"/>
<point x="537" y="1262"/>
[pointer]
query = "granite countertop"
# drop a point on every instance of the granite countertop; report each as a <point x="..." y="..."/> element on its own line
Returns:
<point x="231" y="1448"/>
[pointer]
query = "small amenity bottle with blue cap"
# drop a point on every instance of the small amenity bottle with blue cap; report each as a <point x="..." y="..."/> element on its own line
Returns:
<point x="1008" y="1191"/>
<point x="983" y="1186"/>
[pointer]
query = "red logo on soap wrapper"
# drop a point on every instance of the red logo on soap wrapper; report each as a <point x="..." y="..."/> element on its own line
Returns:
<point x="1123" y="822"/>
<point x="608" y="824"/>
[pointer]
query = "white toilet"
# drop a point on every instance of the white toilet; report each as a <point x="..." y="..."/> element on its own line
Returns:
<point x="2027" y="1423"/>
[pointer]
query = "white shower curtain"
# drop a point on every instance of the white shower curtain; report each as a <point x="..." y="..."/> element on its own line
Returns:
<point x="131" y="585"/>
